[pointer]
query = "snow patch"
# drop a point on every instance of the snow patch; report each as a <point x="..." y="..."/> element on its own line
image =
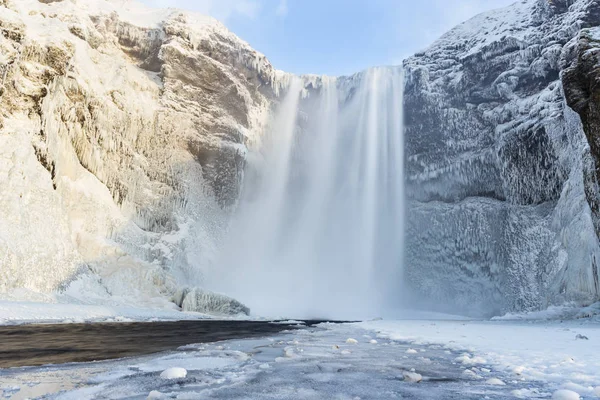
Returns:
<point x="565" y="395"/>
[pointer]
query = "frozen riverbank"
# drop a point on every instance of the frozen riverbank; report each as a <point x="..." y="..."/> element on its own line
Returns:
<point x="382" y="359"/>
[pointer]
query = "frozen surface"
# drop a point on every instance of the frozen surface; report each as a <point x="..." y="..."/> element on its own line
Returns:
<point x="450" y="359"/>
<point x="497" y="165"/>
<point x="12" y="312"/>
<point x="549" y="353"/>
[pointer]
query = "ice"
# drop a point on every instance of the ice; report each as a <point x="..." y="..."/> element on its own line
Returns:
<point x="93" y="210"/>
<point x="527" y="351"/>
<point x="13" y="312"/>
<point x="155" y="395"/>
<point x="204" y="301"/>
<point x="412" y="377"/>
<point x="174" y="373"/>
<point x="320" y="365"/>
<point x="499" y="220"/>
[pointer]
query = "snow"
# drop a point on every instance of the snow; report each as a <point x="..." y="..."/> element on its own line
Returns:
<point x="316" y="363"/>
<point x="174" y="373"/>
<point x="67" y="234"/>
<point x="155" y="395"/>
<point x="14" y="312"/>
<point x="533" y="351"/>
<point x="412" y="377"/>
<point x="488" y="230"/>
<point x="565" y="395"/>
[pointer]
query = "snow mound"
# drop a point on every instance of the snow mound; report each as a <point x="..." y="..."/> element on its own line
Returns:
<point x="154" y="395"/>
<point x="565" y="395"/>
<point x="174" y="373"/>
<point x="204" y="301"/>
<point x="412" y="377"/>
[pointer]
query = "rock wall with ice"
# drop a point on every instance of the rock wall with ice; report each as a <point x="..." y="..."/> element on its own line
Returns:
<point x="501" y="172"/>
<point x="123" y="133"/>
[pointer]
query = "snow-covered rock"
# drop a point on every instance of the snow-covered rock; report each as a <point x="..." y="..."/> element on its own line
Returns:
<point x="174" y="373"/>
<point x="500" y="175"/>
<point x="123" y="134"/>
<point x="204" y="301"/>
<point x="412" y="377"/>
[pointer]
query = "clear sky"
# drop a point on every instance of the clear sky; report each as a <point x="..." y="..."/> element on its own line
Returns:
<point x="336" y="37"/>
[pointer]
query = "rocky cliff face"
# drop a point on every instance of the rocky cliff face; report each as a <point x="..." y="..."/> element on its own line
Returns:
<point x="120" y="128"/>
<point x="501" y="171"/>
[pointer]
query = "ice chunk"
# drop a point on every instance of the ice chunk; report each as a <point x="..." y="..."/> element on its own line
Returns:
<point x="412" y="377"/>
<point x="518" y="370"/>
<point x="352" y="341"/>
<point x="204" y="301"/>
<point x="155" y="395"/>
<point x="411" y="351"/>
<point x="495" y="381"/>
<point x="174" y="373"/>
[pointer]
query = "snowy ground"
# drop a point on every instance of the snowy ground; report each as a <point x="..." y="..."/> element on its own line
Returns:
<point x="382" y="359"/>
<point x="13" y="313"/>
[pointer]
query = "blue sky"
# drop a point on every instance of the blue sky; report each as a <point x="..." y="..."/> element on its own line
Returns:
<point x="336" y="37"/>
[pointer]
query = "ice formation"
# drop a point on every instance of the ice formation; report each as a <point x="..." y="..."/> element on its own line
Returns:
<point x="499" y="171"/>
<point x="143" y="151"/>
<point x="123" y="133"/>
<point x="204" y="301"/>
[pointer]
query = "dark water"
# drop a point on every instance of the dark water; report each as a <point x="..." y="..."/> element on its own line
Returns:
<point x="32" y="345"/>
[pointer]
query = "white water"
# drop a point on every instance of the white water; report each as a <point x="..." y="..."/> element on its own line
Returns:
<point x="319" y="229"/>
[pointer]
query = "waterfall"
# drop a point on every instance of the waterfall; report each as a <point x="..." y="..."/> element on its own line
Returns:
<point x="319" y="227"/>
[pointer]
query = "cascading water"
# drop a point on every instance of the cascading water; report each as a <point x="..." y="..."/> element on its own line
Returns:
<point x="319" y="228"/>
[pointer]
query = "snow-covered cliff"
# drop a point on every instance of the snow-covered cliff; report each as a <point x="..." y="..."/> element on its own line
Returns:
<point x="123" y="133"/>
<point x="498" y="163"/>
